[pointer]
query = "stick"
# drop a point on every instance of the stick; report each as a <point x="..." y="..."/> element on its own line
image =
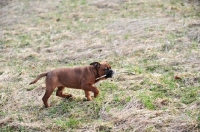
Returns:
<point x="125" y="72"/>
<point x="100" y="77"/>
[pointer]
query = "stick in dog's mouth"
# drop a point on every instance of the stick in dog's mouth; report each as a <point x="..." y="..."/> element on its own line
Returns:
<point x="100" y="77"/>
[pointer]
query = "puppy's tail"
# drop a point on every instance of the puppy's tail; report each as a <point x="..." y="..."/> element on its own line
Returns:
<point x="38" y="77"/>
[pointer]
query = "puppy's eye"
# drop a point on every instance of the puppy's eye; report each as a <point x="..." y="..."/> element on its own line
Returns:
<point x="106" y="68"/>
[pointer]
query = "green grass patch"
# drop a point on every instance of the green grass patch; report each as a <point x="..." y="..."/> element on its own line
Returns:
<point x="190" y="95"/>
<point x="68" y="123"/>
<point x="12" y="129"/>
<point x="147" y="99"/>
<point x="108" y="86"/>
<point x="168" y="81"/>
<point x="134" y="69"/>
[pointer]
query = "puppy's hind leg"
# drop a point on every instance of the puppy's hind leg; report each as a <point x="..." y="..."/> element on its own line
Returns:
<point x="49" y="91"/>
<point x="59" y="93"/>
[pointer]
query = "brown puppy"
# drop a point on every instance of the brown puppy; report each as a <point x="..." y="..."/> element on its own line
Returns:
<point x="79" y="78"/>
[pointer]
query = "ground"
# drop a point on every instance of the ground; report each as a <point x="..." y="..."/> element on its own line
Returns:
<point x="158" y="41"/>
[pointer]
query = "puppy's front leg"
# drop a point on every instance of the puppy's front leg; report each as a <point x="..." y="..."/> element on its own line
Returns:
<point x="87" y="95"/>
<point x="88" y="88"/>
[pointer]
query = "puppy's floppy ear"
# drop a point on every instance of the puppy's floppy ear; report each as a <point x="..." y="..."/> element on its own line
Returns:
<point x="96" y="64"/>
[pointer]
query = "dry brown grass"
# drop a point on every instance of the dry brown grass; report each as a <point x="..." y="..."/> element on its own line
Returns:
<point x="157" y="40"/>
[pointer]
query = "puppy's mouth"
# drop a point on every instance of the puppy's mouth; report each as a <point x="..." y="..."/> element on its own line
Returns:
<point x="109" y="73"/>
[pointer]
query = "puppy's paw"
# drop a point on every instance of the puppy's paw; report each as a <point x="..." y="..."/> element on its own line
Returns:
<point x="69" y="96"/>
<point x="87" y="99"/>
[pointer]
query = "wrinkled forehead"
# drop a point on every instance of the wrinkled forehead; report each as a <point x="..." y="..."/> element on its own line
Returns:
<point x="105" y="64"/>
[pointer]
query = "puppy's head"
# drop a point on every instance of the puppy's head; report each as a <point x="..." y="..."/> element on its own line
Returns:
<point x="103" y="69"/>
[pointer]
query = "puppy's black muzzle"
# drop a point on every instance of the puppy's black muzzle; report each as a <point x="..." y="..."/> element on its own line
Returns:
<point x="109" y="73"/>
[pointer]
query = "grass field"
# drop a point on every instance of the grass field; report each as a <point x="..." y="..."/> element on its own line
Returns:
<point x="157" y="40"/>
